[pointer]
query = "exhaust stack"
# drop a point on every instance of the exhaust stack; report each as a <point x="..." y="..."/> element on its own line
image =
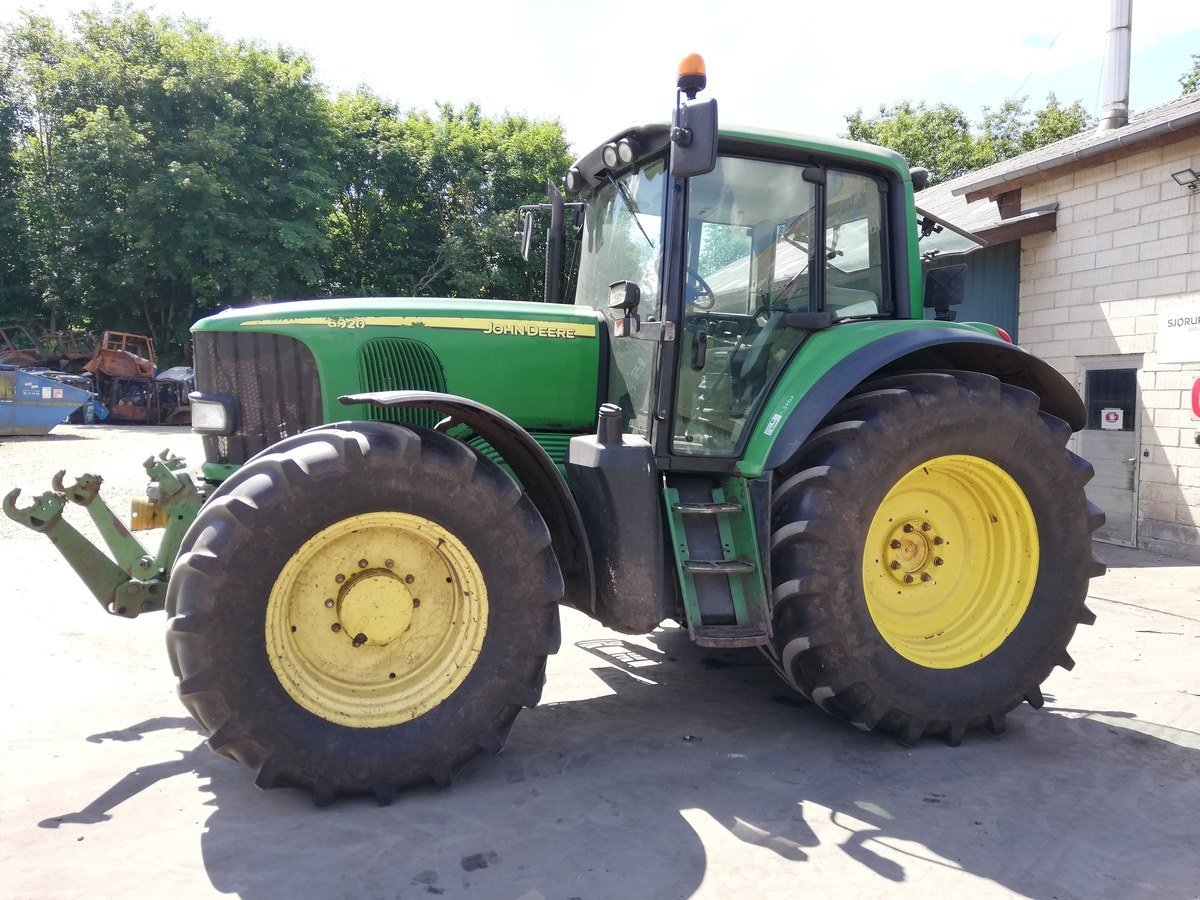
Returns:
<point x="1114" y="91"/>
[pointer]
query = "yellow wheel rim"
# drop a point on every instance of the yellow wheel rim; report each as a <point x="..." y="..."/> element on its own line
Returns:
<point x="950" y="561"/>
<point x="376" y="619"/>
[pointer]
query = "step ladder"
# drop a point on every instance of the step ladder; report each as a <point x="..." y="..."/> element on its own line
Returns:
<point x="715" y="539"/>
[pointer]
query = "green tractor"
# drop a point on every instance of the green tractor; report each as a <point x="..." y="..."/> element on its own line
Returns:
<point x="744" y="424"/>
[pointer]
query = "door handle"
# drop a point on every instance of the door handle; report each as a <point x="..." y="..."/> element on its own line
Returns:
<point x="1130" y="462"/>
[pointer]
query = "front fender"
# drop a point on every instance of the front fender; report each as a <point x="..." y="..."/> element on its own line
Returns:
<point x="807" y="394"/>
<point x="532" y="467"/>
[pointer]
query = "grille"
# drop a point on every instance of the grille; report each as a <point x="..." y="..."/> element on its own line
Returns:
<point x="274" y="379"/>
<point x="398" y="364"/>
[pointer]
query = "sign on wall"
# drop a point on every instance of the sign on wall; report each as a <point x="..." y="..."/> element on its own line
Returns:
<point x="1179" y="334"/>
<point x="1196" y="399"/>
<point x="1112" y="419"/>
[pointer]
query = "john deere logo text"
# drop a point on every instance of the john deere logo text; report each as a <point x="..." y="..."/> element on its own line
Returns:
<point x="532" y="329"/>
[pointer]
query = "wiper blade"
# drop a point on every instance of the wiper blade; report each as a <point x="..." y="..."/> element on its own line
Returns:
<point x="630" y="206"/>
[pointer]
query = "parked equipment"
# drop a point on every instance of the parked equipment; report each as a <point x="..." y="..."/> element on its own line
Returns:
<point x="744" y="424"/>
<point x="32" y="403"/>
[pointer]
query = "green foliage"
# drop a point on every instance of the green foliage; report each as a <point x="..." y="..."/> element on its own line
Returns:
<point x="1190" y="80"/>
<point x="426" y="203"/>
<point x="17" y="299"/>
<point x="937" y="137"/>
<point x="152" y="172"/>
<point x="166" y="172"/>
<point x="942" y="139"/>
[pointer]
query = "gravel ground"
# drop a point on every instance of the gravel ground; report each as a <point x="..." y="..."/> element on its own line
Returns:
<point x="653" y="768"/>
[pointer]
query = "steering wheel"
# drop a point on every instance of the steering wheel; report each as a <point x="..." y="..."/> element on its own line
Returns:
<point x="706" y="299"/>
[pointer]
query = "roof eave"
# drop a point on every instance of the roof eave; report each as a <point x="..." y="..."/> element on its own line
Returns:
<point x="1043" y="169"/>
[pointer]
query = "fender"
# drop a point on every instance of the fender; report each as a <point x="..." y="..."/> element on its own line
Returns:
<point x="532" y="467"/>
<point x="925" y="349"/>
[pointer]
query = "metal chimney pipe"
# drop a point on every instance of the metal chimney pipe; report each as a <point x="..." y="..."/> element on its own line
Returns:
<point x="1114" y="92"/>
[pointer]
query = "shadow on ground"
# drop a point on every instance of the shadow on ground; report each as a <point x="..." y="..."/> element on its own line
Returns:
<point x="699" y="762"/>
<point x="1116" y="556"/>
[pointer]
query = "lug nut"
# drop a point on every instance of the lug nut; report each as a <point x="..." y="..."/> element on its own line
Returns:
<point x="924" y="526"/>
<point x="908" y="527"/>
<point x="329" y="603"/>
<point x="895" y="564"/>
<point x="925" y="576"/>
<point x="908" y="579"/>
<point x="895" y="545"/>
<point x="362" y="563"/>
<point x="938" y="540"/>
<point x="389" y="563"/>
<point x="340" y="578"/>
<point x="335" y="627"/>
<point x="408" y="579"/>
<point x="937" y="560"/>
<point x="416" y="602"/>
<point x="359" y="639"/>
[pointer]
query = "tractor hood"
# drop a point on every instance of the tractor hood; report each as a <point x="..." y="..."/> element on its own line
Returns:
<point x="537" y="363"/>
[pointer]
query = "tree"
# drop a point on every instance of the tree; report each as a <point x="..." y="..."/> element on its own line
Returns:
<point x="381" y="227"/>
<point x="941" y="138"/>
<point x="477" y="172"/>
<point x="1190" y="80"/>
<point x="1012" y="130"/>
<point x="18" y="302"/>
<point x="168" y="172"/>
<point x="936" y="137"/>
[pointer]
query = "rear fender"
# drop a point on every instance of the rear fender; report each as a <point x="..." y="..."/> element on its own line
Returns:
<point x="782" y="428"/>
<point x="531" y="466"/>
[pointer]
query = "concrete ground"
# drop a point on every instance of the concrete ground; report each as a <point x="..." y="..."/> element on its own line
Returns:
<point x="653" y="768"/>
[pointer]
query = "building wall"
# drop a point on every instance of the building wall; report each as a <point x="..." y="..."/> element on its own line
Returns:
<point x="1127" y="246"/>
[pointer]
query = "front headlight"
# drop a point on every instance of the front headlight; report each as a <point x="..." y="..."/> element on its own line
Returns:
<point x="213" y="413"/>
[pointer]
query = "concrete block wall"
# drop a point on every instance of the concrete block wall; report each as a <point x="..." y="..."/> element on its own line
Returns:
<point x="1127" y="246"/>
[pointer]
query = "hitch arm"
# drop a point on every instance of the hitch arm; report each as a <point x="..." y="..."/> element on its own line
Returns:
<point x="125" y="547"/>
<point x="180" y="500"/>
<point x="117" y="591"/>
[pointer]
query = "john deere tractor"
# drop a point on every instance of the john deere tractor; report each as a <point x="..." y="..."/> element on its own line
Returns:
<point x="744" y="424"/>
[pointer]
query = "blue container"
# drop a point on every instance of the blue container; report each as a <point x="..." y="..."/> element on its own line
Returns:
<point x="33" y="404"/>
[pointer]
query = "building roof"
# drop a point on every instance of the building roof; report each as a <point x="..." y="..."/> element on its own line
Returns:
<point x="966" y="201"/>
<point x="1037" y="165"/>
<point x="982" y="217"/>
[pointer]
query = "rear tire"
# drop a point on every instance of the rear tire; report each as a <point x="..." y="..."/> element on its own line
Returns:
<point x="931" y="552"/>
<point x="453" y="613"/>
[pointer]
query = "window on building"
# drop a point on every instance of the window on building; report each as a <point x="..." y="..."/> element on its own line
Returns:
<point x="1107" y="390"/>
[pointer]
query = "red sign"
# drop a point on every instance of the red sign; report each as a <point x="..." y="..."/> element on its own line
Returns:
<point x="1196" y="399"/>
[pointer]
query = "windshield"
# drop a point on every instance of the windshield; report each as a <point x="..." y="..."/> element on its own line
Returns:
<point x="622" y="241"/>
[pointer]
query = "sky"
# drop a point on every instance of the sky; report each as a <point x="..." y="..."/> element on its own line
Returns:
<point x="789" y="66"/>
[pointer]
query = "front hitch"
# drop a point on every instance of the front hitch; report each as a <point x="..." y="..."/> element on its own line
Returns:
<point x="136" y="582"/>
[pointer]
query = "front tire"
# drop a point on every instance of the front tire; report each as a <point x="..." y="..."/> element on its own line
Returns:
<point x="931" y="552"/>
<point x="362" y="610"/>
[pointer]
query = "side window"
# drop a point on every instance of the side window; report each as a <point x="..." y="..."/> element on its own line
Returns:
<point x="6" y="385"/>
<point x="855" y="265"/>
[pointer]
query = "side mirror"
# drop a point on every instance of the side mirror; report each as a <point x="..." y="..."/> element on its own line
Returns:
<point x="694" y="139"/>
<point x="945" y="287"/>
<point x="525" y="235"/>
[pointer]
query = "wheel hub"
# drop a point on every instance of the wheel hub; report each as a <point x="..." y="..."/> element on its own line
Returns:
<point x="376" y="604"/>
<point x="915" y="550"/>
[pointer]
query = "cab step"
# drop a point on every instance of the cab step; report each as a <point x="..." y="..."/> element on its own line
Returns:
<point x="709" y="509"/>
<point x="750" y="635"/>
<point x="718" y="566"/>
<point x="714" y="532"/>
